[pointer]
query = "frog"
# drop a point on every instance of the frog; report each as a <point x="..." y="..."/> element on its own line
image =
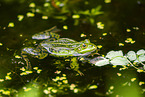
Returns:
<point x="53" y="45"/>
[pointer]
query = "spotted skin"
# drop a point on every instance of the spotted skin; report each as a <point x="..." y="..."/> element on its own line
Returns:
<point x="47" y="34"/>
<point x="41" y="52"/>
<point x="58" y="47"/>
<point x="38" y="52"/>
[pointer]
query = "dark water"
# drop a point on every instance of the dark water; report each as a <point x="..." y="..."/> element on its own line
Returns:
<point x="117" y="17"/>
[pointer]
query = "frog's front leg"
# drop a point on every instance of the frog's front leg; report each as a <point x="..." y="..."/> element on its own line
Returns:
<point x="38" y="52"/>
<point x="75" y="65"/>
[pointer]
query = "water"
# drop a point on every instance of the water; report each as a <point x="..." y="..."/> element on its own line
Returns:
<point x="118" y="17"/>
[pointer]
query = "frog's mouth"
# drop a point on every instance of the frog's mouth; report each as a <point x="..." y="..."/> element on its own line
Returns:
<point x="86" y="51"/>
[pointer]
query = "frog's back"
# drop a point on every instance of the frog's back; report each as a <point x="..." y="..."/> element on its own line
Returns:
<point x="67" y="47"/>
<point x="47" y="34"/>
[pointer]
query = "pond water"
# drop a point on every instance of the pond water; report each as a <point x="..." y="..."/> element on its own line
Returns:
<point x="122" y="19"/>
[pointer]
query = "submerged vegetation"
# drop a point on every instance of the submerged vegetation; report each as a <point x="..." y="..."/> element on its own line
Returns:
<point x="114" y="68"/>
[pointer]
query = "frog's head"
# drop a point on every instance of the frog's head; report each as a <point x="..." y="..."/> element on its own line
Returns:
<point x="86" y="47"/>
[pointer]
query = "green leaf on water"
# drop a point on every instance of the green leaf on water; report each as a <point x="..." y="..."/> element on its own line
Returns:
<point x="141" y="55"/>
<point x="131" y="55"/>
<point x="142" y="58"/>
<point x="11" y="24"/>
<point x="93" y="87"/>
<point x="1" y="44"/>
<point x="17" y="56"/>
<point x="140" y="52"/>
<point x="102" y="62"/>
<point x="119" y="61"/>
<point x="113" y="54"/>
<point x="20" y="17"/>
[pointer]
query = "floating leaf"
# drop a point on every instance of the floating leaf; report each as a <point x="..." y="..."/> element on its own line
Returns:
<point x="119" y="74"/>
<point x="54" y="90"/>
<point x="29" y="14"/>
<point x="93" y="87"/>
<point x="46" y="91"/>
<point x="1" y="90"/>
<point x="124" y="67"/>
<point x="27" y="89"/>
<point x="46" y="4"/>
<point x="107" y="1"/>
<point x="131" y="55"/>
<point x="121" y="44"/>
<point x="99" y="46"/>
<point x="135" y="28"/>
<point x="102" y="62"/>
<point x="21" y="35"/>
<point x="62" y="78"/>
<point x="76" y="90"/>
<point x="142" y="58"/>
<point x="76" y="16"/>
<point x="132" y="42"/>
<point x="57" y="72"/>
<point x="63" y="74"/>
<point x="8" y="77"/>
<point x="119" y="61"/>
<point x="49" y="88"/>
<point x="44" y="17"/>
<point x="140" y="70"/>
<point x="129" y="40"/>
<point x="28" y="72"/>
<point x="111" y="87"/>
<point x="83" y="35"/>
<point x="57" y="78"/>
<point x="113" y="54"/>
<point x="23" y="73"/>
<point x="20" y="17"/>
<point x="140" y="52"/>
<point x="8" y="73"/>
<point x="133" y="79"/>
<point x="1" y="44"/>
<point x="141" y="83"/>
<point x="65" y="81"/>
<point x="100" y="25"/>
<point x="23" y="69"/>
<point x="1" y="80"/>
<point x="39" y="70"/>
<point x="65" y="27"/>
<point x="32" y="4"/>
<point x="35" y="68"/>
<point x="6" y="92"/>
<point x="11" y="24"/>
<point x="104" y="34"/>
<point x="72" y="86"/>
<point x="128" y="30"/>
<point x="17" y="56"/>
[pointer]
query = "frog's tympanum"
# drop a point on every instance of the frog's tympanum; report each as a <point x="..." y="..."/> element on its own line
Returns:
<point x="58" y="47"/>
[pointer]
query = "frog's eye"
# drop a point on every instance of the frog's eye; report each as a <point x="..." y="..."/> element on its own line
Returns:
<point x="84" y="45"/>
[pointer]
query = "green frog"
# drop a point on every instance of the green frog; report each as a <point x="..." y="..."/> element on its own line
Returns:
<point x="55" y="46"/>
